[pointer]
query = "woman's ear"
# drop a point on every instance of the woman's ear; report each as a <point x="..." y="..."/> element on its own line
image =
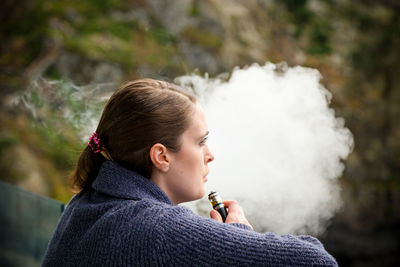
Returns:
<point x="159" y="157"/>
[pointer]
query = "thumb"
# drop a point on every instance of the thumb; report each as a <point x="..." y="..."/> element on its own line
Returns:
<point x="215" y="215"/>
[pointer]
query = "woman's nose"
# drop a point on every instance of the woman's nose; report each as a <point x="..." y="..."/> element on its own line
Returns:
<point x="209" y="156"/>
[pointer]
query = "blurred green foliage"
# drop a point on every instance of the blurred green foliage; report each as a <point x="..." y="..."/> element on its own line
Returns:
<point x="203" y="38"/>
<point x="354" y="44"/>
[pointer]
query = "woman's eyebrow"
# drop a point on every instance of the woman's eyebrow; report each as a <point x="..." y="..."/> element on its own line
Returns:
<point x="204" y="135"/>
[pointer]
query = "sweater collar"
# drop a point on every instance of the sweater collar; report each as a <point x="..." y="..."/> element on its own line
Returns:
<point x="117" y="181"/>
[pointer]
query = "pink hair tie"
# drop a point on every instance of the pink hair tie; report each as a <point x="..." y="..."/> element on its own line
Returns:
<point x="95" y="143"/>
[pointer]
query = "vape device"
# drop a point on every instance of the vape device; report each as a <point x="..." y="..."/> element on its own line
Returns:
<point x="217" y="204"/>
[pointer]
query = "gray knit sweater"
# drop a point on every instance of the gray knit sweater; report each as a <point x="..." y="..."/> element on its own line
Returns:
<point x="126" y="220"/>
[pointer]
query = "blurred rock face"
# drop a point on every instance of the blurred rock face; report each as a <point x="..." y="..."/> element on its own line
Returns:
<point x="353" y="44"/>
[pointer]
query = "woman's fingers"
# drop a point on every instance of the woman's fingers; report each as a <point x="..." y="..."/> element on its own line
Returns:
<point x="235" y="213"/>
<point x="215" y="215"/>
<point x="232" y="205"/>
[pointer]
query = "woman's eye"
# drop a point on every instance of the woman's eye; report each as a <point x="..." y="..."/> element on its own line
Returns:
<point x="203" y="141"/>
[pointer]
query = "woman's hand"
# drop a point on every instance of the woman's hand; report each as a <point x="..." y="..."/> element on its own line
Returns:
<point x="235" y="213"/>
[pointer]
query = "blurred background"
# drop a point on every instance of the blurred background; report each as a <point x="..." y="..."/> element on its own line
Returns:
<point x="60" y="56"/>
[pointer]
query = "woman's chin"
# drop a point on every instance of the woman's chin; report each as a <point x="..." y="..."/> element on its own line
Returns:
<point x="201" y="194"/>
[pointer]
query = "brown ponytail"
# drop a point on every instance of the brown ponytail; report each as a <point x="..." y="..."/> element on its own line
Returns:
<point x="138" y="115"/>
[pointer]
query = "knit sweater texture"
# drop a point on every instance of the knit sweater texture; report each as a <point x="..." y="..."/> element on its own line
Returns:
<point x="124" y="219"/>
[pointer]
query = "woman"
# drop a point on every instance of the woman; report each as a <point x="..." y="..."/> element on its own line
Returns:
<point x="148" y="154"/>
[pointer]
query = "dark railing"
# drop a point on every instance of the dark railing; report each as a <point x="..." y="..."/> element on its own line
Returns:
<point x="27" y="222"/>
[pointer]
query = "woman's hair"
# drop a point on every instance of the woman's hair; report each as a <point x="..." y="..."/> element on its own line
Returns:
<point x="138" y="115"/>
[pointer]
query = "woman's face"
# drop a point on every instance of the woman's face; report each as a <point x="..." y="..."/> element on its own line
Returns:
<point x="189" y="167"/>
